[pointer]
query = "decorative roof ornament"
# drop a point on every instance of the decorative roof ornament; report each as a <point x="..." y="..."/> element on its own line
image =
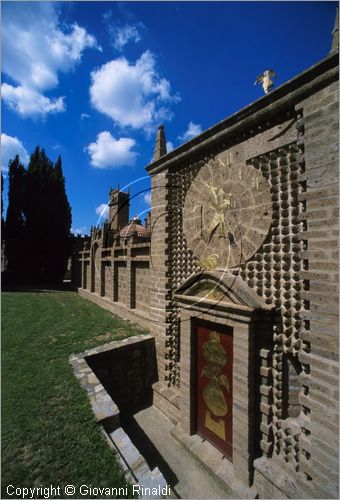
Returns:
<point x="266" y="80"/>
<point x="160" y="144"/>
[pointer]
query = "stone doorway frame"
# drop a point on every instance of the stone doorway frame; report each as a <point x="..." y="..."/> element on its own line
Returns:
<point x="252" y="321"/>
<point x="227" y="332"/>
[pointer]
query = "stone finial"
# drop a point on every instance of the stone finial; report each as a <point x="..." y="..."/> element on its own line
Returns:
<point x="160" y="144"/>
<point x="335" y="33"/>
<point x="147" y="221"/>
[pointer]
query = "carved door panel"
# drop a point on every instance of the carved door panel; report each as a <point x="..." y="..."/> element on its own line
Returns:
<point x="214" y="348"/>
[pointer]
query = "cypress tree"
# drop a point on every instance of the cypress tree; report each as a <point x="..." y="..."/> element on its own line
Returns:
<point x="48" y="219"/>
<point x="2" y="207"/>
<point x="61" y="220"/>
<point x="2" y="215"/>
<point x="2" y="225"/>
<point x="38" y="240"/>
<point x="38" y="212"/>
<point x="16" y="220"/>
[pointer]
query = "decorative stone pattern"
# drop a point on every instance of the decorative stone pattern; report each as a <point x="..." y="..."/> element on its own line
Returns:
<point x="275" y="270"/>
<point x="180" y="265"/>
<point x="286" y="379"/>
<point x="227" y="212"/>
<point x="292" y="144"/>
<point x="275" y="274"/>
<point x="174" y="187"/>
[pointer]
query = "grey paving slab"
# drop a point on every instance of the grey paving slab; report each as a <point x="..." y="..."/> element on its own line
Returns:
<point x="190" y="479"/>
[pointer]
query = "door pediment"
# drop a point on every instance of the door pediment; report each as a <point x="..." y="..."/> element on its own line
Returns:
<point x="221" y="287"/>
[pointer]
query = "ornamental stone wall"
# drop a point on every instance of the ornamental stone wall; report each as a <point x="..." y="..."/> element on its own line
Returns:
<point x="289" y="140"/>
<point x="116" y="277"/>
<point x="319" y="353"/>
<point x="254" y="198"/>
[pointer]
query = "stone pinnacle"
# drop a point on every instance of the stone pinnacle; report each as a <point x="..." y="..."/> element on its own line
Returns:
<point x="335" y="33"/>
<point x="160" y="144"/>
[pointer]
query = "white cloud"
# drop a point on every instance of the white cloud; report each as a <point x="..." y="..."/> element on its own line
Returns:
<point x="108" y="152"/>
<point x="122" y="35"/>
<point x="28" y="102"/>
<point x="103" y="210"/>
<point x="81" y="231"/>
<point x="147" y="198"/>
<point x="191" y="132"/>
<point x="132" y="94"/>
<point x="84" y="115"/>
<point x="35" y="50"/>
<point x="10" y="147"/>
<point x="169" y="146"/>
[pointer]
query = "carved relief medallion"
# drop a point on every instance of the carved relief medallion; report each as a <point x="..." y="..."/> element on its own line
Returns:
<point x="227" y="214"/>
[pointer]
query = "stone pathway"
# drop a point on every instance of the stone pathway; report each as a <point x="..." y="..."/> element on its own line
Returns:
<point x="150" y="451"/>
<point x="150" y="431"/>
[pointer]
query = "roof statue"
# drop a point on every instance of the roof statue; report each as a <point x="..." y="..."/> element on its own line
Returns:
<point x="266" y="80"/>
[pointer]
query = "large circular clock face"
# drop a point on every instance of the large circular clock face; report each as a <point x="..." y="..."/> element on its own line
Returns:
<point x="227" y="214"/>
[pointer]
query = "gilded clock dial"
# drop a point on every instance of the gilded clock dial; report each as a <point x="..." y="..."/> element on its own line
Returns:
<point x="227" y="213"/>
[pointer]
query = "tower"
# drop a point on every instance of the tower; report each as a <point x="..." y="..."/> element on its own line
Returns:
<point x="119" y="209"/>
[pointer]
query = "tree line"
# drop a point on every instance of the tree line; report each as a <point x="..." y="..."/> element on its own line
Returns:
<point x="36" y="231"/>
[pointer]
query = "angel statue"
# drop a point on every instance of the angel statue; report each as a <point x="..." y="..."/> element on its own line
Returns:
<point x="266" y="80"/>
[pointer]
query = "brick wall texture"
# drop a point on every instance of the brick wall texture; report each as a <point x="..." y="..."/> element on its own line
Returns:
<point x="289" y="139"/>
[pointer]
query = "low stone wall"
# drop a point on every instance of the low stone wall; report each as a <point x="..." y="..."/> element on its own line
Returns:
<point x="127" y="372"/>
<point x="131" y="358"/>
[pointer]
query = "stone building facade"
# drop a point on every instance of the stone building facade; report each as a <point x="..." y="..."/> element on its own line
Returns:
<point x="112" y="267"/>
<point x="238" y="283"/>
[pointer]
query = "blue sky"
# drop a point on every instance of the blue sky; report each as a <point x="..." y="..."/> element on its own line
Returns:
<point x="91" y="81"/>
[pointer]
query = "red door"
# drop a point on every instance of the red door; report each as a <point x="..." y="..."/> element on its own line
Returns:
<point x="214" y="385"/>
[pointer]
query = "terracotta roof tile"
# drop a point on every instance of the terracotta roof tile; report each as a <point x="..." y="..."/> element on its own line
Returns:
<point x="135" y="229"/>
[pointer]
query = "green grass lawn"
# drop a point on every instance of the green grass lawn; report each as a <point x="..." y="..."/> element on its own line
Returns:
<point x="49" y="434"/>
